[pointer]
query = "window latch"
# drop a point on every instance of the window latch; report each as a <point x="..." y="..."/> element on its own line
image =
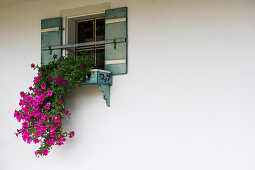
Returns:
<point x="115" y="44"/>
<point x="50" y="50"/>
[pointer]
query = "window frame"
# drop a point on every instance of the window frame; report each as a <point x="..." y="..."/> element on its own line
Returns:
<point x="93" y="48"/>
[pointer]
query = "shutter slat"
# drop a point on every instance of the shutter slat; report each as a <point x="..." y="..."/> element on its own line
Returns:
<point x="116" y="27"/>
<point x="51" y="36"/>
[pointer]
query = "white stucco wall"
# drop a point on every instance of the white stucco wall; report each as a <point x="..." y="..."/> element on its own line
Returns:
<point x="187" y="102"/>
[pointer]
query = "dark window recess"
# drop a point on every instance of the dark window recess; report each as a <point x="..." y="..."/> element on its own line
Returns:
<point x="89" y="31"/>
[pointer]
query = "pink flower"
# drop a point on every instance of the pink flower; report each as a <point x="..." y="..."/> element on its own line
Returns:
<point x="54" y="56"/>
<point x="38" y="133"/>
<point x="35" y="90"/>
<point x="81" y="65"/>
<point x="43" y="117"/>
<point x="28" y="98"/>
<point x="39" y="74"/>
<point x="30" y="87"/>
<point x="21" y="94"/>
<point x="36" y="141"/>
<point x="67" y="112"/>
<point x="50" y="78"/>
<point x="61" y="139"/>
<point x="37" y="98"/>
<point x="36" y="79"/>
<point x="60" y="80"/>
<point x="47" y="106"/>
<point x="28" y="141"/>
<point x="53" y="127"/>
<point x="32" y="65"/>
<point x="71" y="135"/>
<point x="17" y="115"/>
<point x="43" y="86"/>
<point x="25" y="125"/>
<point x="49" y="92"/>
<point x="56" y="118"/>
<point x="36" y="152"/>
<point x="60" y="100"/>
<point x="45" y="152"/>
<point x="59" y="143"/>
<point x="59" y="123"/>
<point x="36" y="107"/>
<point x="53" y="134"/>
<point x="44" y="128"/>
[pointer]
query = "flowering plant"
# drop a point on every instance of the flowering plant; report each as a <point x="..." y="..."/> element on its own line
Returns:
<point x="42" y="108"/>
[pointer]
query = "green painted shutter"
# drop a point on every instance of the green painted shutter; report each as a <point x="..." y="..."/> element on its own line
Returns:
<point x="51" y="34"/>
<point x="116" y="27"/>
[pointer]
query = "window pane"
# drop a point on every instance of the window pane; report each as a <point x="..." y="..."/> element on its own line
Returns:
<point x="100" y="29"/>
<point x="78" y="53"/>
<point x="85" y="31"/>
<point x="100" y="58"/>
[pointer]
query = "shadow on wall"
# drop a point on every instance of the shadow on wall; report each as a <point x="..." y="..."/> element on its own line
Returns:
<point x="82" y="101"/>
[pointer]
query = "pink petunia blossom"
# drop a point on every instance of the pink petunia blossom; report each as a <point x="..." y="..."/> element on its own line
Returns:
<point x="50" y="78"/>
<point x="39" y="74"/>
<point x="17" y="115"/>
<point x="43" y="86"/>
<point x="36" y="152"/>
<point x="44" y="128"/>
<point x="38" y="133"/>
<point x="47" y="106"/>
<point x="37" y="98"/>
<point x="55" y="56"/>
<point x="53" y="133"/>
<point x="49" y="92"/>
<point x="30" y="87"/>
<point x="60" y="101"/>
<point x="25" y="125"/>
<point x="36" y="141"/>
<point x="28" y="98"/>
<point x="36" y="107"/>
<point x="53" y="127"/>
<point x="60" y="143"/>
<point x="22" y="94"/>
<point x="36" y="79"/>
<point x="72" y="134"/>
<point x="45" y="152"/>
<point x="56" y="118"/>
<point x="35" y="90"/>
<point x="59" y="123"/>
<point x="32" y="65"/>
<point x="67" y="112"/>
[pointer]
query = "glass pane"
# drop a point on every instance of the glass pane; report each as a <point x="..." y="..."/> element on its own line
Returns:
<point x="85" y="31"/>
<point x="78" y="53"/>
<point x="100" y="58"/>
<point x="99" y="29"/>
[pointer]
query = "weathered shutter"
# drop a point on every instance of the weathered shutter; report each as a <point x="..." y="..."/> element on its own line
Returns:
<point x="51" y="34"/>
<point x="115" y="28"/>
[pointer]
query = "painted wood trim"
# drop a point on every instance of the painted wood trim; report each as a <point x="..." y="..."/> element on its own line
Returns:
<point x="50" y="29"/>
<point x="114" y="20"/>
<point x="108" y="62"/>
<point x="105" y="71"/>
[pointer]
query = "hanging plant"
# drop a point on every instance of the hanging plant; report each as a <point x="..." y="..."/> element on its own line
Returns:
<point x="42" y="107"/>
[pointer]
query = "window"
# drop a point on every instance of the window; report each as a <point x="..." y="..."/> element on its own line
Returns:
<point x="109" y="26"/>
<point x="88" y="31"/>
